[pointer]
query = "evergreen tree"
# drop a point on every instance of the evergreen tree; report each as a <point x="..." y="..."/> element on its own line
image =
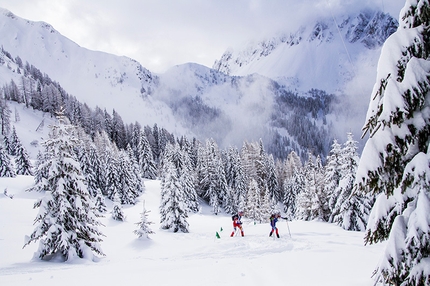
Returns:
<point x="6" y="167"/>
<point x="312" y="202"/>
<point x="212" y="184"/>
<point x="395" y="161"/>
<point x="22" y="160"/>
<point x="113" y="180"/>
<point x="333" y="175"/>
<point x="143" y="229"/>
<point x="349" y="210"/>
<point x="272" y="179"/>
<point x="294" y="184"/>
<point x="185" y="174"/>
<point x="6" y="144"/>
<point x="293" y="187"/>
<point x="173" y="209"/>
<point x="145" y="158"/>
<point x="129" y="182"/>
<point x="67" y="220"/>
<point x="5" y="114"/>
<point x="90" y="162"/>
<point x="13" y="142"/>
<point x="253" y="207"/>
<point x="139" y="185"/>
<point x="100" y="202"/>
<point x="41" y="171"/>
<point x="117" y="212"/>
<point x="105" y="163"/>
<point x="239" y="185"/>
<point x="187" y="179"/>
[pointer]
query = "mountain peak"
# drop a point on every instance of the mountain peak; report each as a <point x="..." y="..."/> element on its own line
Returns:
<point x="317" y="55"/>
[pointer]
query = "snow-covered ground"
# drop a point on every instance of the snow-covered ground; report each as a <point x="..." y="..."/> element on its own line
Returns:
<point x="317" y="253"/>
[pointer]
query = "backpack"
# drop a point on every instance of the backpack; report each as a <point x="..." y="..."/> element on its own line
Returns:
<point x="234" y="217"/>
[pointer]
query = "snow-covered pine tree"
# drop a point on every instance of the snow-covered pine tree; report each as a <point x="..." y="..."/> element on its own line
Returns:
<point x="13" y="141"/>
<point x="268" y="205"/>
<point x="129" y="181"/>
<point x="185" y="174"/>
<point x="6" y="144"/>
<point x="89" y="162"/>
<point x="333" y="175"/>
<point x="322" y="211"/>
<point x="294" y="185"/>
<point x="6" y="167"/>
<point x="311" y="201"/>
<point x="272" y="179"/>
<point x="105" y="152"/>
<point x="113" y="180"/>
<point x="395" y="160"/>
<point x="117" y="212"/>
<point x="236" y="180"/>
<point x="5" y="114"/>
<point x="253" y="203"/>
<point x="220" y="181"/>
<point x="143" y="229"/>
<point x="173" y="209"/>
<point x="100" y="202"/>
<point x="22" y="160"/>
<point x="67" y="219"/>
<point x="352" y="208"/>
<point x="213" y="200"/>
<point x="40" y="171"/>
<point x="212" y="184"/>
<point x="135" y="169"/>
<point x="187" y="179"/>
<point x="145" y="158"/>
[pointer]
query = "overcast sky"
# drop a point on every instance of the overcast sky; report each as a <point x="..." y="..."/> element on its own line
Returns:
<point x="163" y="33"/>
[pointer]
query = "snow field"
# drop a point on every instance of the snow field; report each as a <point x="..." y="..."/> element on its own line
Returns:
<point x="316" y="254"/>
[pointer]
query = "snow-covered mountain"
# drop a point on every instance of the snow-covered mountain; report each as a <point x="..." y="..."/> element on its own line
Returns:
<point x="93" y="77"/>
<point x="268" y="90"/>
<point x="322" y="55"/>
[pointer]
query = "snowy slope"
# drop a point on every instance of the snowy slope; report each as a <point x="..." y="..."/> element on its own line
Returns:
<point x="323" y="55"/>
<point x="316" y="253"/>
<point x="96" y="78"/>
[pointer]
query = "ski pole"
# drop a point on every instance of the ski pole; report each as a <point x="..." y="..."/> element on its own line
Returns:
<point x="289" y="229"/>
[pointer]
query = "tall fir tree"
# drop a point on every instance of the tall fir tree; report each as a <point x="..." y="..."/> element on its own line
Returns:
<point x="173" y="209"/>
<point x="395" y="160"/>
<point x="236" y="181"/>
<point x="7" y="168"/>
<point x="352" y="208"/>
<point x="332" y="175"/>
<point x="67" y="223"/>
<point x="13" y="142"/>
<point x="253" y="208"/>
<point x="145" y="158"/>
<point x="5" y="114"/>
<point x="311" y="201"/>
<point x="212" y="184"/>
<point x="22" y="161"/>
<point x="129" y="182"/>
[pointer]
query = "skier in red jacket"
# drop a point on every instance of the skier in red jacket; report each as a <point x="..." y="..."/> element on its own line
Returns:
<point x="237" y="223"/>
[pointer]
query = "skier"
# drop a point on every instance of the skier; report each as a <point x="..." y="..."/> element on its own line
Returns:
<point x="237" y="223"/>
<point x="273" y="220"/>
